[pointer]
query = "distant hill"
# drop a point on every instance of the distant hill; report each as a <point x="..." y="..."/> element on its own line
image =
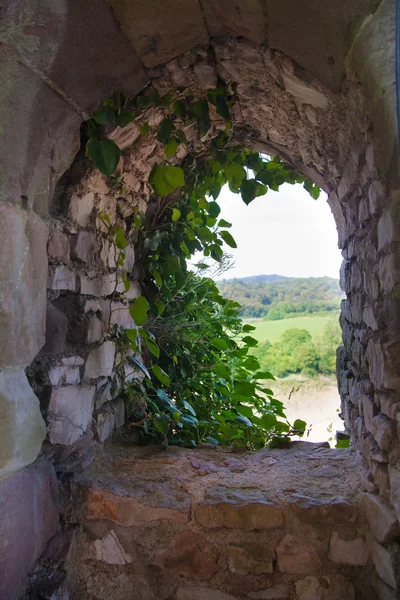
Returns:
<point x="258" y="278"/>
<point x="277" y="297"/>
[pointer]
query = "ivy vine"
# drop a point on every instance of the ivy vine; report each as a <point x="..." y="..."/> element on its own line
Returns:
<point x="195" y="379"/>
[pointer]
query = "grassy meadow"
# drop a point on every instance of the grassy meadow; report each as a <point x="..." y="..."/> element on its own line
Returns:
<point x="272" y="330"/>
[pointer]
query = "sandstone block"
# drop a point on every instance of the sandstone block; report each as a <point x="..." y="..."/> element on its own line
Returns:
<point x="22" y="429"/>
<point x="100" y="361"/>
<point x="394" y="479"/>
<point x="176" y="26"/>
<point x="333" y="587"/>
<point x="61" y="278"/>
<point x="332" y="509"/>
<point x="110" y="550"/>
<point x="348" y="552"/>
<point x="249" y="559"/>
<point x="189" y="555"/>
<point x="70" y="413"/>
<point x="56" y="331"/>
<point x="201" y="593"/>
<point x="243" y="19"/>
<point x="58" y="246"/>
<point x="386" y="560"/>
<point x="29" y="500"/>
<point x="104" y="425"/>
<point x="298" y="555"/>
<point x="276" y="592"/>
<point x="381" y="518"/>
<point x="238" y="507"/>
<point x="304" y="93"/>
<point x="84" y="246"/>
<point x="80" y="208"/>
<point x="119" y="412"/>
<point x="23" y="272"/>
<point x="64" y="375"/>
<point x="101" y="285"/>
<point x="95" y="330"/>
<point x="155" y="503"/>
<point x="384" y="431"/>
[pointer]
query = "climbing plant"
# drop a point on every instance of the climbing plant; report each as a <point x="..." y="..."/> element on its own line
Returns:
<point x="194" y="379"/>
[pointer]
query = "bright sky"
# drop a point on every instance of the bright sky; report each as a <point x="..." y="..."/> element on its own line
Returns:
<point x="286" y="233"/>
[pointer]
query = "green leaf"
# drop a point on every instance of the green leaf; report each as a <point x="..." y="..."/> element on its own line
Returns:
<point x="154" y="349"/>
<point x="105" y="154"/>
<point x="250" y="341"/>
<point x="104" y="115"/>
<point x="161" y="423"/>
<point x="251" y="189"/>
<point x="217" y="97"/>
<point x="247" y="328"/>
<point x="157" y="278"/>
<point x="235" y="174"/>
<point x="299" y="425"/>
<point x="165" y="179"/>
<point x="179" y="108"/>
<point x="189" y="407"/>
<point x="171" y="147"/>
<point x="228" y="239"/>
<point x="264" y="375"/>
<point x="211" y="440"/>
<point x="176" y="214"/>
<point x="268" y="421"/>
<point x="223" y="223"/>
<point x="161" y="375"/>
<point x="244" y="420"/>
<point x="138" y="310"/>
<point x="120" y="239"/>
<point x="199" y="110"/>
<point x="342" y="444"/>
<point x="160" y="307"/>
<point x="145" y="128"/>
<point x="219" y="344"/>
<point x="141" y="366"/>
<point x="165" y="130"/>
<point x="213" y="209"/>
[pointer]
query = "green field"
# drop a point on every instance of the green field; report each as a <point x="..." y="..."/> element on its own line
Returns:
<point x="272" y="330"/>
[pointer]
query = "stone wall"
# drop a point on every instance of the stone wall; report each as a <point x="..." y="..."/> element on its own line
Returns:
<point x="327" y="107"/>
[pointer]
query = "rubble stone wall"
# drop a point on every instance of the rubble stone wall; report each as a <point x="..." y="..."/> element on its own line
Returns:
<point x="332" y="117"/>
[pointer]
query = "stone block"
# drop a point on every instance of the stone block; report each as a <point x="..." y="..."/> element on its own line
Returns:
<point x="332" y="587"/>
<point x="202" y="593"/>
<point x="369" y="318"/>
<point x="64" y="375"/>
<point x="381" y="519"/>
<point x="101" y="285"/>
<point x="23" y="272"/>
<point x="137" y="507"/>
<point x="238" y="507"/>
<point x="352" y="552"/>
<point x="384" y="431"/>
<point x="249" y="559"/>
<point x="56" y="331"/>
<point x="388" y="231"/>
<point x="104" y="425"/>
<point x="61" y="278"/>
<point x="64" y="45"/>
<point x="28" y="502"/>
<point x="370" y="410"/>
<point x="84" y="246"/>
<point x="107" y="256"/>
<point x="32" y="160"/>
<point x="120" y="315"/>
<point x="95" y="330"/>
<point x="241" y="19"/>
<point x="386" y="560"/>
<point x="281" y="591"/>
<point x="304" y="93"/>
<point x="176" y="26"/>
<point x="189" y="555"/>
<point x="70" y="413"/>
<point x="58" y="246"/>
<point x="298" y="555"/>
<point x="313" y="36"/>
<point x="110" y="550"/>
<point x="73" y="361"/>
<point x="100" y="362"/>
<point x="22" y="429"/>
<point x="81" y="208"/>
<point x="376" y="197"/>
<point x="394" y="480"/>
<point x="119" y="412"/>
<point x="380" y="372"/>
